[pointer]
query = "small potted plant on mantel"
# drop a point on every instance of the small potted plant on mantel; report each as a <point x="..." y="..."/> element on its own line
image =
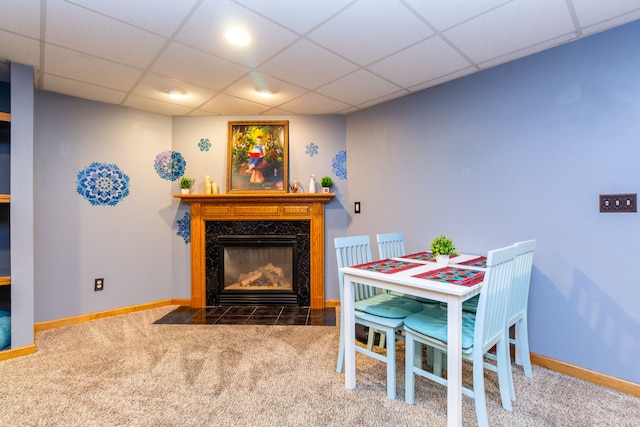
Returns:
<point x="326" y="182"/>
<point x="185" y="184"/>
<point x="442" y="247"/>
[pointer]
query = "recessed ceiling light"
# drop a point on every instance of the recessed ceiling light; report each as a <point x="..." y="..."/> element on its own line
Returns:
<point x="265" y="92"/>
<point x="176" y="93"/>
<point x="237" y="36"/>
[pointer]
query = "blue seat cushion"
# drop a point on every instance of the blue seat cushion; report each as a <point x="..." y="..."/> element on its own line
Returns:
<point x="388" y="305"/>
<point x="433" y="323"/>
<point x="471" y="305"/>
<point x="5" y="329"/>
<point x="431" y="302"/>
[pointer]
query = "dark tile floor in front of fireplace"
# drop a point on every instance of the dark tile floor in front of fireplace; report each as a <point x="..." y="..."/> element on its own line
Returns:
<point x="250" y="315"/>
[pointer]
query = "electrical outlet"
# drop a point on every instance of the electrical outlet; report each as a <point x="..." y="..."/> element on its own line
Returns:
<point x="618" y="203"/>
<point x="98" y="284"/>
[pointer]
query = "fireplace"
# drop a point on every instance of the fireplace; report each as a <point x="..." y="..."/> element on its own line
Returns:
<point x="257" y="263"/>
<point x="267" y="211"/>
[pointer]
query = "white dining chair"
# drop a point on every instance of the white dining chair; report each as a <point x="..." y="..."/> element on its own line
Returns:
<point x="480" y="332"/>
<point x="391" y="245"/>
<point x="518" y="303"/>
<point x="517" y="309"/>
<point x="381" y="312"/>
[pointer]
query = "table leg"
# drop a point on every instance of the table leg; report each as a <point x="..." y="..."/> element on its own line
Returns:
<point x="454" y="362"/>
<point x="349" y="335"/>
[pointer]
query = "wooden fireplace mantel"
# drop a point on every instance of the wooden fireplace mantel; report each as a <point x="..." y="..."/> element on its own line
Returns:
<point x="256" y="207"/>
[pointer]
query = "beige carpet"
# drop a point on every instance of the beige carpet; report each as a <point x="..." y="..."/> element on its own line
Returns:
<point x="125" y="371"/>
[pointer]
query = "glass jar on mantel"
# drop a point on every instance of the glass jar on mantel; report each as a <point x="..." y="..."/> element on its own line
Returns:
<point x="295" y="186"/>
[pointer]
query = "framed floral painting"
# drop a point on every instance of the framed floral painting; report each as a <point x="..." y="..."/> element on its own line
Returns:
<point x="258" y="156"/>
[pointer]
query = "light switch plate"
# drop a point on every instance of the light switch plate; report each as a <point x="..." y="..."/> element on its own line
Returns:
<point x="618" y="202"/>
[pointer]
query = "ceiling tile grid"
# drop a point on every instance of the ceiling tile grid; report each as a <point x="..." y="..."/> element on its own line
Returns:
<point x="317" y="56"/>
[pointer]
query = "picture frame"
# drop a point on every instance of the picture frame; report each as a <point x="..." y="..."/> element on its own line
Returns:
<point x="258" y="156"/>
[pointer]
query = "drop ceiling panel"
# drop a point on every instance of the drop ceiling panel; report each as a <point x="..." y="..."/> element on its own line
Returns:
<point x="82" y="90"/>
<point x="154" y="106"/>
<point x="368" y="31"/>
<point x="314" y="103"/>
<point x="357" y="88"/>
<point x="21" y="17"/>
<point x="20" y="49"/>
<point x="514" y="26"/>
<point x="422" y="62"/>
<point x="99" y="35"/>
<point x="231" y="106"/>
<point x="611" y="22"/>
<point x="246" y="88"/>
<point x="167" y="15"/>
<point x="308" y="65"/>
<point x="206" y="28"/>
<point x="348" y="54"/>
<point x="156" y="86"/>
<point x="444" y="14"/>
<point x="196" y="67"/>
<point x="298" y="16"/>
<point x="78" y="66"/>
<point x="592" y="12"/>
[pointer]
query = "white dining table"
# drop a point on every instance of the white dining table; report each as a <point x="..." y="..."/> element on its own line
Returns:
<point x="453" y="295"/>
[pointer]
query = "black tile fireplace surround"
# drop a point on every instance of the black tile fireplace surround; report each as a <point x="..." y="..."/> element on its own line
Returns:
<point x="215" y="292"/>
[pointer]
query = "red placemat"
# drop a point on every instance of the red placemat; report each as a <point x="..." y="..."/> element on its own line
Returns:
<point x="387" y="266"/>
<point x="476" y="262"/>
<point x="422" y="256"/>
<point x="454" y="276"/>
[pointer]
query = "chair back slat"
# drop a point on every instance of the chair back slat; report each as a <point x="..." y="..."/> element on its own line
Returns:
<point x="354" y="250"/>
<point x="523" y="265"/>
<point x="494" y="298"/>
<point x="391" y="245"/>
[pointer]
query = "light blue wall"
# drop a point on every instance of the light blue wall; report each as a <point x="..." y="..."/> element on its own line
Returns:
<point x="326" y="132"/>
<point x="134" y="245"/>
<point x="129" y="244"/>
<point x="516" y="152"/>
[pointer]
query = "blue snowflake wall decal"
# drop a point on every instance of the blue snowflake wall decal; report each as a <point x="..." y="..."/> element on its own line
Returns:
<point x="204" y="144"/>
<point x="170" y="165"/>
<point x="184" y="227"/>
<point x="102" y="184"/>
<point x="312" y="149"/>
<point x="339" y="164"/>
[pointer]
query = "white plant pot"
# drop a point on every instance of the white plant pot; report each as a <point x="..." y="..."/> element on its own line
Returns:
<point x="442" y="259"/>
<point x="185" y="190"/>
<point x="325" y="189"/>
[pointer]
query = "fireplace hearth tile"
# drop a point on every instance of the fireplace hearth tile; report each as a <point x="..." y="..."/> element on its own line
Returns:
<point x="292" y="320"/>
<point x="231" y="320"/>
<point x="261" y="320"/>
<point x="267" y="311"/>
<point x="250" y="315"/>
<point x="241" y="310"/>
<point x="295" y="311"/>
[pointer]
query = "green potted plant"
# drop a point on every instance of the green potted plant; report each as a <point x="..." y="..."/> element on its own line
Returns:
<point x="185" y="184"/>
<point x="442" y="247"/>
<point x="326" y="182"/>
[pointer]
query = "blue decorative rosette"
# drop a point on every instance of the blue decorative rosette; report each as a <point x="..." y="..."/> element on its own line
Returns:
<point x="204" y="144"/>
<point x="339" y="164"/>
<point x="170" y="165"/>
<point x="184" y="227"/>
<point x="102" y="184"/>
<point x="312" y="149"/>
